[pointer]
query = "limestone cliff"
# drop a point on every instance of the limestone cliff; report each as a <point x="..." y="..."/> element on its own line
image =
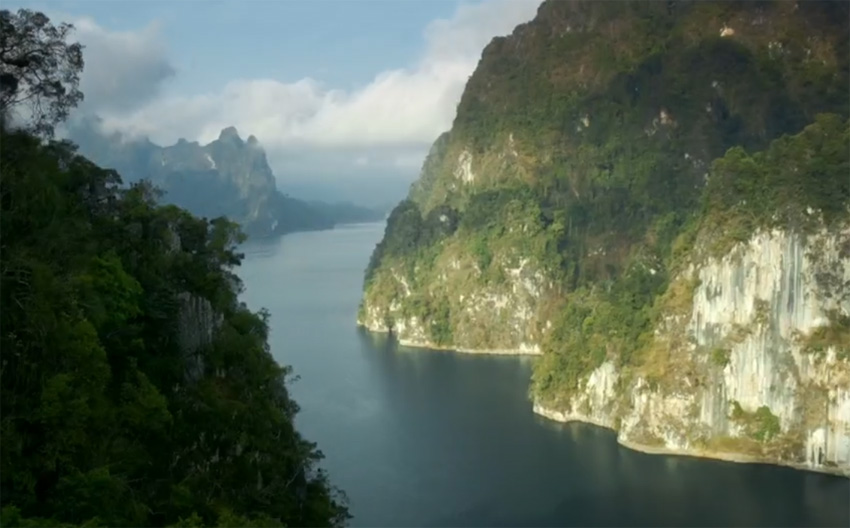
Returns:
<point x="197" y="323"/>
<point x="653" y="197"/>
<point x="511" y="304"/>
<point x="742" y="372"/>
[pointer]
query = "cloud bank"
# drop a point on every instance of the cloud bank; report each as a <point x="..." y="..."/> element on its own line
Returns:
<point x="389" y="122"/>
<point x="123" y="69"/>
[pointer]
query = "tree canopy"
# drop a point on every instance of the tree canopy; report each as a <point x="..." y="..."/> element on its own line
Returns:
<point x="39" y="70"/>
<point x="135" y="390"/>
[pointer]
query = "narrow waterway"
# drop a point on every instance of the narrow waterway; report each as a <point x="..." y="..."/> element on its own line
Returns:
<point x="428" y="438"/>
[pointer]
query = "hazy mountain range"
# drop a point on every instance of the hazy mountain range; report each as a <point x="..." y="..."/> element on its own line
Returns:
<point x="227" y="177"/>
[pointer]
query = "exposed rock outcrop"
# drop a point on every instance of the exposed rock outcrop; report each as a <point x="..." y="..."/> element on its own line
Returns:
<point x="742" y="375"/>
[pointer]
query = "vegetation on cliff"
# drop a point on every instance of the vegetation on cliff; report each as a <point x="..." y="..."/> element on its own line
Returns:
<point x="107" y="417"/>
<point x="606" y="141"/>
<point x="799" y="182"/>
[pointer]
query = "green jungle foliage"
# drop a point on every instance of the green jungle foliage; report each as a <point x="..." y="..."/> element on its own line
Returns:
<point x="761" y="424"/>
<point x="772" y="188"/>
<point x="407" y="232"/>
<point x="644" y="135"/>
<point x="105" y="419"/>
<point x="836" y="335"/>
<point x="799" y="182"/>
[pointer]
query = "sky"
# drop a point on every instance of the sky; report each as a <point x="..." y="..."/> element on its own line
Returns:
<point x="344" y="95"/>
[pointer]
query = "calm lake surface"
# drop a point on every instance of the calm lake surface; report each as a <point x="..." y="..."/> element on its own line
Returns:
<point x="427" y="438"/>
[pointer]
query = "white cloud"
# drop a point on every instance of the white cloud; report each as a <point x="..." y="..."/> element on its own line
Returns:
<point x="123" y="69"/>
<point x="402" y="110"/>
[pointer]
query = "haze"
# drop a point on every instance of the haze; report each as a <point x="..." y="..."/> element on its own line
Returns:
<point x="345" y="97"/>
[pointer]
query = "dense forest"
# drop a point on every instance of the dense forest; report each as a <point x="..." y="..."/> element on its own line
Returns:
<point x="780" y="187"/>
<point x="136" y="389"/>
<point x="600" y="145"/>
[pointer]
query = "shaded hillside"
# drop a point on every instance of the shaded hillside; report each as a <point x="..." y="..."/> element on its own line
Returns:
<point x="135" y="390"/>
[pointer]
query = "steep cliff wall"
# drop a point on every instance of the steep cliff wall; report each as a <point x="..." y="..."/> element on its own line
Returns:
<point x="197" y="321"/>
<point x="588" y="129"/>
<point x="744" y="372"/>
<point x="512" y="305"/>
<point x="597" y="202"/>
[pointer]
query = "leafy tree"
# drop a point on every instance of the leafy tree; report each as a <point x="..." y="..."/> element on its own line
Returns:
<point x="39" y="69"/>
<point x="135" y="390"/>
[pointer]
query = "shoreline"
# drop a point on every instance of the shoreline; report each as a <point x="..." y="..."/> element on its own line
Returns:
<point x="472" y="351"/>
<point x="738" y="458"/>
<point x="560" y="417"/>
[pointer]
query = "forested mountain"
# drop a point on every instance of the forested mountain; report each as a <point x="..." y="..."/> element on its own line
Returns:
<point x="653" y="196"/>
<point x="227" y="177"/>
<point x="135" y="390"/>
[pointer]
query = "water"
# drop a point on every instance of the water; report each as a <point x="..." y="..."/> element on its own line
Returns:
<point x="428" y="438"/>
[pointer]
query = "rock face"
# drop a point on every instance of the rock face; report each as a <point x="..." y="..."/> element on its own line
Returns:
<point x="228" y="176"/>
<point x="197" y="323"/>
<point x="514" y="304"/>
<point x="669" y="237"/>
<point x="747" y="352"/>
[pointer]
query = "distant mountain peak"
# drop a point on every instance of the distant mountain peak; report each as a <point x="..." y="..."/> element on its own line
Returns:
<point x="230" y="133"/>
<point x="225" y="177"/>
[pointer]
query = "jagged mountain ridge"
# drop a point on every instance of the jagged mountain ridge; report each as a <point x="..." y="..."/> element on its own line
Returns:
<point x="227" y="177"/>
<point x="560" y="212"/>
